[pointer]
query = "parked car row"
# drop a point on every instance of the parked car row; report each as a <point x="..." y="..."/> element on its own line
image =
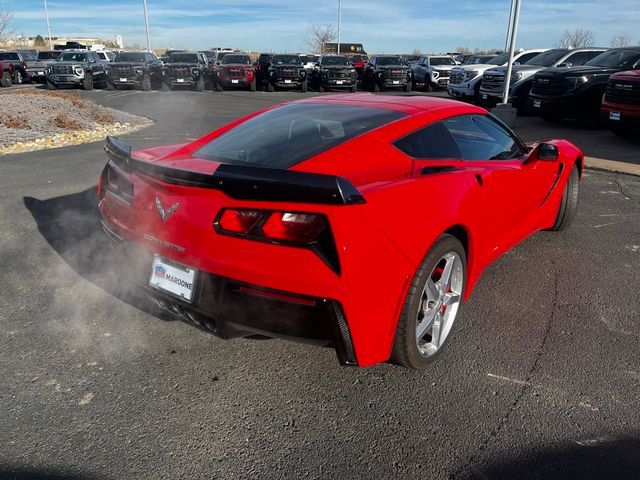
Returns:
<point x="587" y="84"/>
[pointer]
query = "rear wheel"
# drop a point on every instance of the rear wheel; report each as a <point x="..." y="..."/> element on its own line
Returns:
<point x="569" y="204"/>
<point x="6" y="80"/>
<point x="431" y="305"/>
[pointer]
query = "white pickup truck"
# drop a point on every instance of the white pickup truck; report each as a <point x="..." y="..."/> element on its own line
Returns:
<point x="465" y="80"/>
<point x="433" y="71"/>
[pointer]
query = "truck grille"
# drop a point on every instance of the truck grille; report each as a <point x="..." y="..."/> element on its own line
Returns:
<point x="340" y="74"/>
<point x="547" y="85"/>
<point x="456" y="77"/>
<point x="493" y="83"/>
<point x="288" y="72"/>
<point x="63" y="69"/>
<point x="123" y="71"/>
<point x="234" y="71"/>
<point x="397" y="74"/>
<point x="623" y="91"/>
<point x="180" y="72"/>
<point x="444" y="73"/>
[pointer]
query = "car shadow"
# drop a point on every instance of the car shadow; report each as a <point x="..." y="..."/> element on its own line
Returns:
<point x="23" y="473"/>
<point x="71" y="225"/>
<point x="601" y="458"/>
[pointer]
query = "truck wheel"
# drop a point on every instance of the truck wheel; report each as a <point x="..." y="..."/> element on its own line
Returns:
<point x="376" y="87"/>
<point x="321" y="88"/>
<point x="109" y="85"/>
<point x="200" y="84"/>
<point x="428" y="86"/>
<point x="145" y="83"/>
<point x="407" y="87"/>
<point x="252" y="85"/>
<point x="165" y="87"/>
<point x="219" y="87"/>
<point x="270" y="87"/>
<point x="354" y="89"/>
<point x="304" y="87"/>
<point x="51" y="85"/>
<point x="87" y="82"/>
<point x="17" y="77"/>
<point x="6" y="81"/>
<point x="431" y="305"/>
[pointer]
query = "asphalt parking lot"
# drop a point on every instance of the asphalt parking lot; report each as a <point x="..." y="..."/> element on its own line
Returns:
<point x="541" y="379"/>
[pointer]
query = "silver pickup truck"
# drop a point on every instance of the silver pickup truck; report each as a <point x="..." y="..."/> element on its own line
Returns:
<point x="37" y="69"/>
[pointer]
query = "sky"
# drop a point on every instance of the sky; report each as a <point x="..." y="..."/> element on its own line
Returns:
<point x="383" y="26"/>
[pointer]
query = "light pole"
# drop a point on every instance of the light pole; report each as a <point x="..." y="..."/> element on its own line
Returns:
<point x="512" y="47"/>
<point x="339" y="21"/>
<point x="506" y="42"/>
<point x="146" y="25"/>
<point x="46" y="14"/>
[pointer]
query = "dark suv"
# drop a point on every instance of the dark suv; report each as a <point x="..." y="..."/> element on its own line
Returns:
<point x="235" y="71"/>
<point x="76" y="68"/>
<point x="386" y="71"/>
<point x="184" y="69"/>
<point x="286" y="71"/>
<point x="334" y="72"/>
<point x="576" y="92"/>
<point x="141" y="70"/>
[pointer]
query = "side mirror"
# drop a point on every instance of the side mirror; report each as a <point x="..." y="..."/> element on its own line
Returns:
<point x="564" y="65"/>
<point x="548" y="152"/>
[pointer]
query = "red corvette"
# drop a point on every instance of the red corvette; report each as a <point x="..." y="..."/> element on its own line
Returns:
<point x="359" y="222"/>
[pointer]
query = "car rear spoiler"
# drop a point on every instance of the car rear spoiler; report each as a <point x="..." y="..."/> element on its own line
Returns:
<point x="244" y="182"/>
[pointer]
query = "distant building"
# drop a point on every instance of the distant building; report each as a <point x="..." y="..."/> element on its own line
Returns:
<point x="345" y="48"/>
<point x="119" y="41"/>
<point x="24" y="41"/>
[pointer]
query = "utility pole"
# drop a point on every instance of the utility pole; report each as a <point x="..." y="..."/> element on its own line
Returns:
<point x="146" y="24"/>
<point x="512" y="47"/>
<point x="508" y="39"/>
<point x="46" y="14"/>
<point x="339" y="21"/>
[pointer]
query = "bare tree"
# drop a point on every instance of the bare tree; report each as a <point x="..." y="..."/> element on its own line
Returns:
<point x="318" y="36"/>
<point x="6" y="19"/>
<point x="464" y="50"/>
<point x="620" y="41"/>
<point x="580" y="37"/>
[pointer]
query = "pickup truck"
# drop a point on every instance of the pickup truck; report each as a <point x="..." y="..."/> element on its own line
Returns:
<point x="76" y="68"/>
<point x="334" y="72"/>
<point x="386" y="71"/>
<point x="185" y="69"/>
<point x="492" y="85"/>
<point x="141" y="70"/>
<point x="236" y="71"/>
<point x="576" y="92"/>
<point x="287" y="71"/>
<point x="35" y="69"/>
<point x="19" y="62"/>
<point x="464" y="83"/>
<point x="621" y="104"/>
<point x="6" y="74"/>
<point x="432" y="71"/>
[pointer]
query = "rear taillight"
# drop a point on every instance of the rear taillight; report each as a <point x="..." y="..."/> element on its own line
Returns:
<point x="296" y="229"/>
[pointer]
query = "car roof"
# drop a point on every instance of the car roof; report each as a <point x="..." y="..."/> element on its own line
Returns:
<point x="409" y="104"/>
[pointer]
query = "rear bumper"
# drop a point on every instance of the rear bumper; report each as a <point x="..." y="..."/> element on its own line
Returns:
<point x="229" y="308"/>
<point x="234" y="81"/>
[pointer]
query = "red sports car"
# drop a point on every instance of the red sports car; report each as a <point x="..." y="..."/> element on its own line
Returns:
<point x="359" y="222"/>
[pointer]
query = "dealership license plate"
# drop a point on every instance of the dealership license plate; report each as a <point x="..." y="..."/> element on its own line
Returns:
<point x="123" y="79"/>
<point x="180" y="80"/>
<point x="537" y="104"/>
<point x="234" y="81"/>
<point x="396" y="82"/>
<point x="339" y="82"/>
<point x="614" y="116"/>
<point x="287" y="81"/>
<point x="40" y="73"/>
<point x="171" y="277"/>
<point x="485" y="96"/>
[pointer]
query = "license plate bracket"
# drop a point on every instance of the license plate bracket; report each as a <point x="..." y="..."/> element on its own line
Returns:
<point x="173" y="278"/>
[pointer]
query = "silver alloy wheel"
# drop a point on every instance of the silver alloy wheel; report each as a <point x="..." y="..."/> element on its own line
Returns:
<point x="439" y="305"/>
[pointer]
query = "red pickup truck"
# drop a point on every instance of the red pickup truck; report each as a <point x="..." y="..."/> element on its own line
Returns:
<point x="621" y="103"/>
<point x="6" y="74"/>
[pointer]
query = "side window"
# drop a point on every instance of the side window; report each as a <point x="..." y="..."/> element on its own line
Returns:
<point x="578" y="58"/>
<point x="526" y="57"/>
<point x="594" y="54"/>
<point x="431" y="142"/>
<point x="479" y="137"/>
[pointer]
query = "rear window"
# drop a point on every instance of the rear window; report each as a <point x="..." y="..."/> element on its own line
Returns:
<point x="48" y="55"/>
<point x="9" y="56"/>
<point x="286" y="136"/>
<point x="72" y="57"/>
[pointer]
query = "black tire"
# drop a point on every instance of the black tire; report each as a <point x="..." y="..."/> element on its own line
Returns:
<point x="109" y="85"/>
<point x="321" y="88"/>
<point x="17" y="77"/>
<point x="51" y="85"/>
<point x="304" y="87"/>
<point x="165" y="87"/>
<point x="376" y="87"/>
<point x="145" y="83"/>
<point x="405" y="350"/>
<point x="252" y="86"/>
<point x="428" y="86"/>
<point x="407" y="87"/>
<point x="6" y="79"/>
<point x="87" y="82"/>
<point x="200" y="84"/>
<point x="569" y="204"/>
<point x="354" y="89"/>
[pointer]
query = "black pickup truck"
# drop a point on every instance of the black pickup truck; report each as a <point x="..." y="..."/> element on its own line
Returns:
<point x="184" y="69"/>
<point x="141" y="70"/>
<point x="286" y="71"/>
<point x="386" y="71"/>
<point x="576" y="92"/>
<point x="334" y="72"/>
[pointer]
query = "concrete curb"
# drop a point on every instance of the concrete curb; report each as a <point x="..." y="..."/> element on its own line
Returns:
<point x="611" y="166"/>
